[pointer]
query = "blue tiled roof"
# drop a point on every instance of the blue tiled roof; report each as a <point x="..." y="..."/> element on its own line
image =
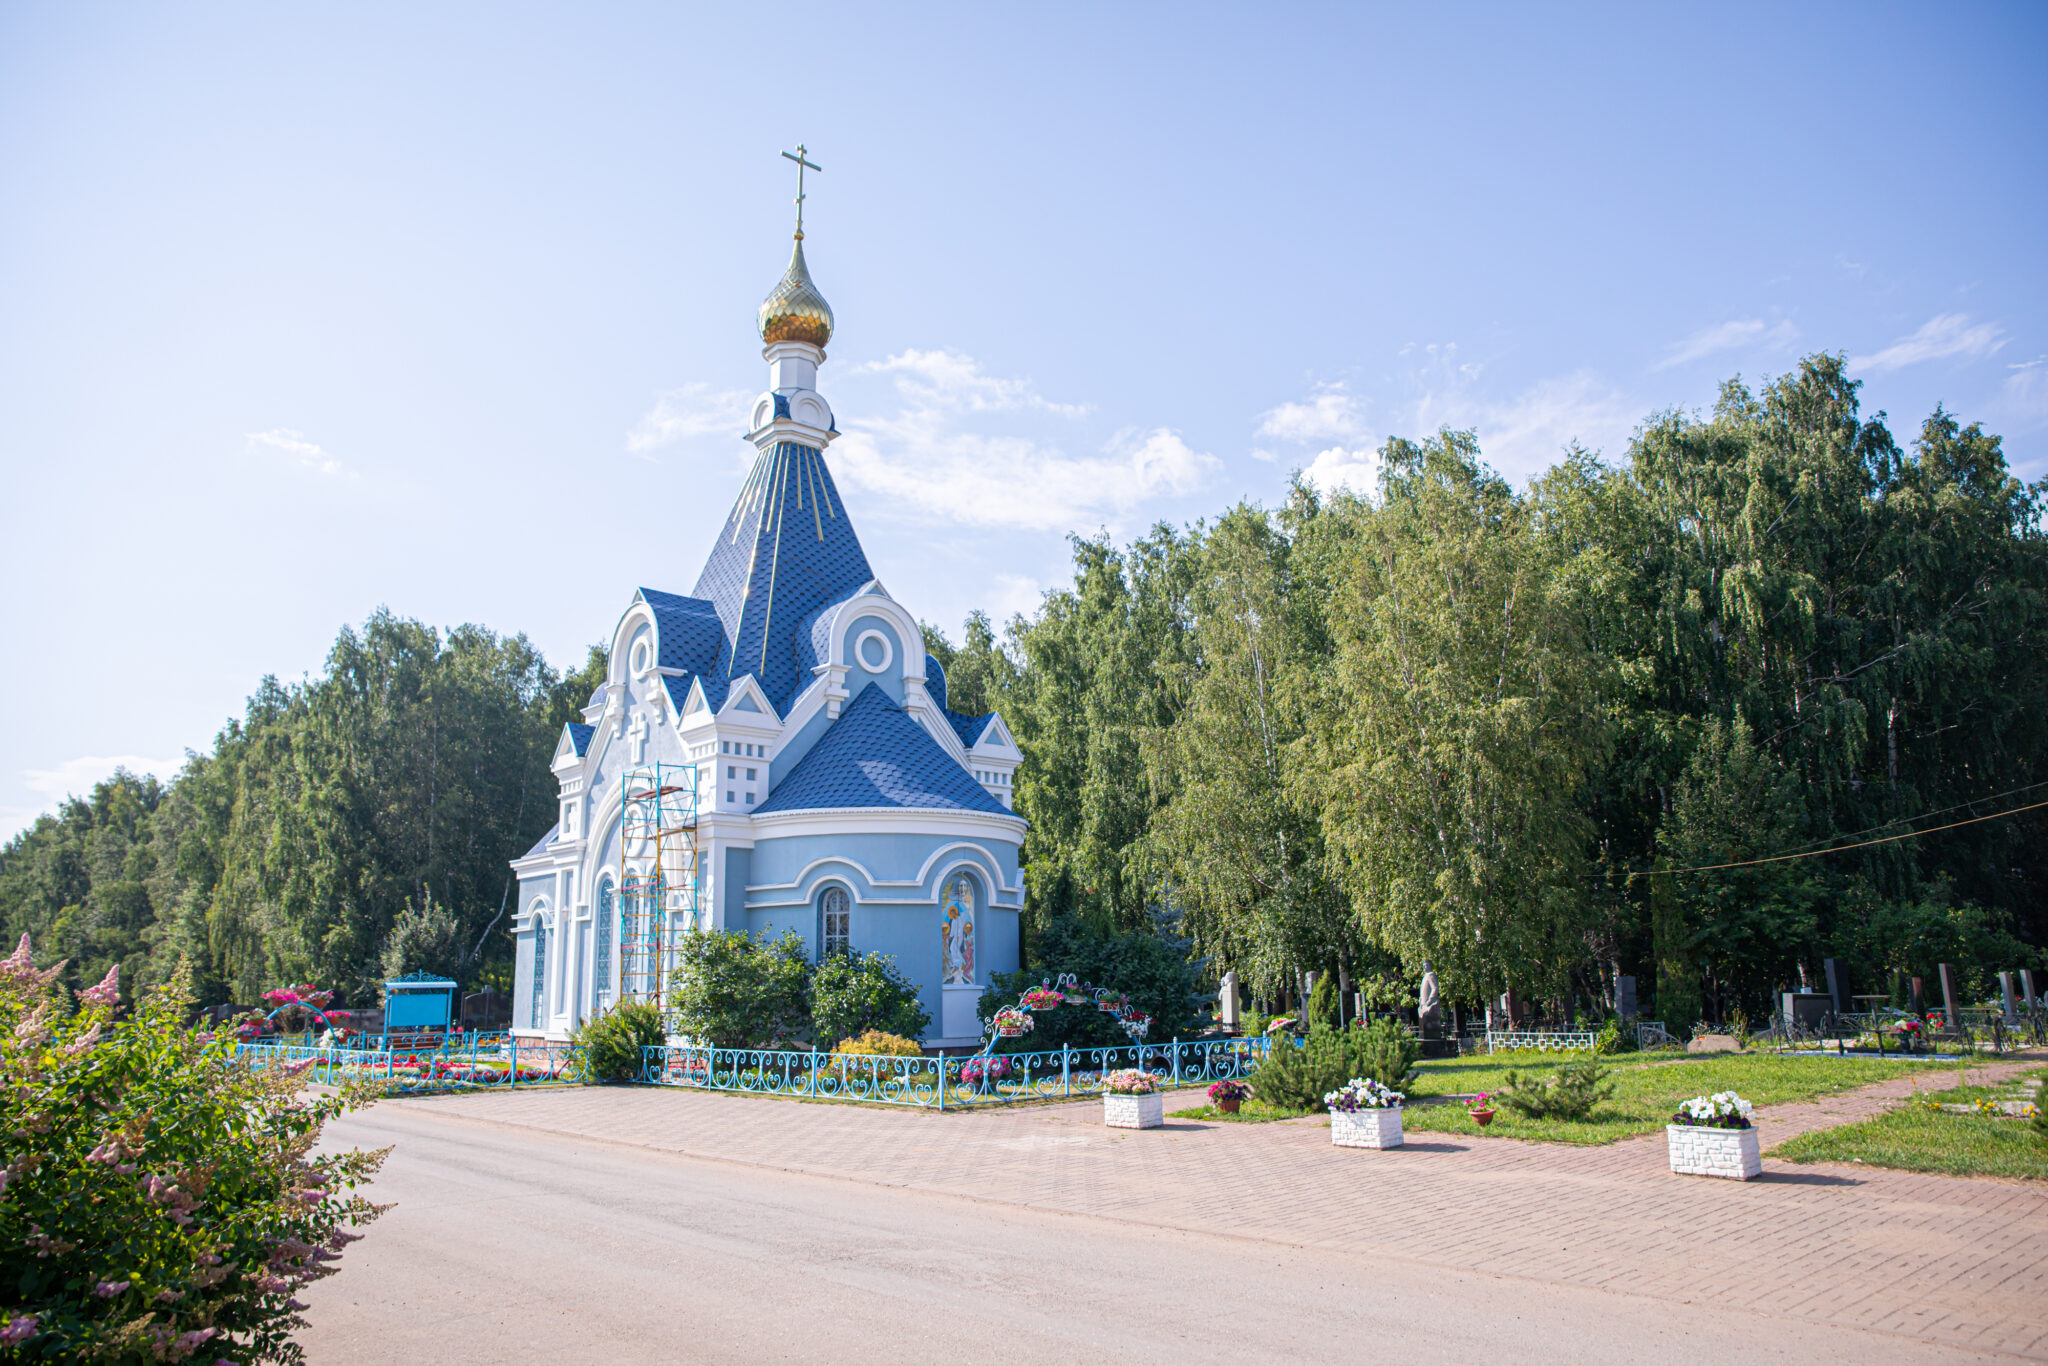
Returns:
<point x="876" y="755"/>
<point x="935" y="679"/>
<point x="579" y="737"/>
<point x="969" y="728"/>
<point x="786" y="552"/>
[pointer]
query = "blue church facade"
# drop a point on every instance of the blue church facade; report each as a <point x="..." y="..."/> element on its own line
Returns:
<point x="836" y="793"/>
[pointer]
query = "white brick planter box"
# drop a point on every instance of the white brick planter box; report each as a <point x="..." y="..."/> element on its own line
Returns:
<point x="1697" y="1150"/>
<point x="1366" y="1128"/>
<point x="1133" y="1112"/>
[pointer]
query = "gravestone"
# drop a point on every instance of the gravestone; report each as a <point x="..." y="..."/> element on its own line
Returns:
<point x="2012" y="1016"/>
<point x="1428" y="1011"/>
<point x="1838" y="983"/>
<point x="1949" y="1018"/>
<point x="1226" y="1000"/>
<point x="2027" y="986"/>
<point x="1625" y="997"/>
<point x="1919" y="995"/>
<point x="1806" y="1009"/>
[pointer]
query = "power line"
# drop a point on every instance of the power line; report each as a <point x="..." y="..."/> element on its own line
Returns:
<point x="1840" y="848"/>
<point x="1924" y="815"/>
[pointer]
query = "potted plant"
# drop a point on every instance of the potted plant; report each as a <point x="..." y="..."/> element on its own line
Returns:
<point x="1012" y="1023"/>
<point x="1131" y="1100"/>
<point x="1365" y="1114"/>
<point x="1712" y="1136"/>
<point x="1228" y="1095"/>
<point x="1042" y="998"/>
<point x="1480" y="1107"/>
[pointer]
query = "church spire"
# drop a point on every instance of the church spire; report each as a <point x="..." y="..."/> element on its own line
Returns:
<point x="795" y="323"/>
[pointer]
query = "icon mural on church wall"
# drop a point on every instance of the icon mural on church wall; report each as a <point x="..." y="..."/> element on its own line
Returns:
<point x="956" y="930"/>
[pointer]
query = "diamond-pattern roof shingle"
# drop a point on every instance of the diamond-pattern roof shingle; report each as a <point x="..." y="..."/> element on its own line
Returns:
<point x="579" y="737"/>
<point x="786" y="551"/>
<point x="876" y="755"/>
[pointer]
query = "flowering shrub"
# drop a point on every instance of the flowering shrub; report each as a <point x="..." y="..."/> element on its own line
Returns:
<point x="1042" y="998"/>
<point x="1230" y="1090"/>
<point x="159" y="1200"/>
<point x="975" y="1071"/>
<point x="1722" y="1110"/>
<point x="1132" y="1081"/>
<point x="1363" y="1093"/>
<point x="875" y="1043"/>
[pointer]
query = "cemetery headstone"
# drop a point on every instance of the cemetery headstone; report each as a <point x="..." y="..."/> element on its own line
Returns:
<point x="1428" y="1010"/>
<point x="1919" y="995"/>
<point x="1949" y="1018"/>
<point x="1226" y="998"/>
<point x="2027" y="986"/>
<point x="1838" y="983"/>
<point x="1625" y="997"/>
<point x="2012" y="1016"/>
<point x="1806" y="1009"/>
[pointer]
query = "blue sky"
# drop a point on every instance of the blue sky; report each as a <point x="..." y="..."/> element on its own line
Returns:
<point x="449" y="308"/>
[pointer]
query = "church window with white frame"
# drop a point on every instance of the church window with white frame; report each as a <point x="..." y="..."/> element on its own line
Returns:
<point x="837" y="907"/>
<point x="607" y="914"/>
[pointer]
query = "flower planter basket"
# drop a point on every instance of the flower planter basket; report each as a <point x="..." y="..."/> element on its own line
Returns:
<point x="1228" y="1105"/>
<point x="1133" y="1112"/>
<point x="1366" y="1128"/>
<point x="1010" y="1031"/>
<point x="1700" y="1150"/>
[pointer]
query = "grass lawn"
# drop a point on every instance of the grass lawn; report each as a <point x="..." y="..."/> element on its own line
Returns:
<point x="1647" y="1089"/>
<point x="1918" y="1138"/>
<point x="1253" y="1111"/>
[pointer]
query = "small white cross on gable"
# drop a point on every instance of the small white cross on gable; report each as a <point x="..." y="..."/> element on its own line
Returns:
<point x="639" y="731"/>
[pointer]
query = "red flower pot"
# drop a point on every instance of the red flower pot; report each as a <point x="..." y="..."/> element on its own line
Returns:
<point x="1482" y="1117"/>
<point x="1228" y="1105"/>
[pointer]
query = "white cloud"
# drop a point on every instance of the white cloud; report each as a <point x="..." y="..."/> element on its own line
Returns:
<point x="295" y="445"/>
<point x="924" y="458"/>
<point x="1950" y="334"/>
<point x="694" y="410"/>
<point x="1356" y="470"/>
<point x="1526" y="434"/>
<point x="2026" y="389"/>
<point x="1739" y="334"/>
<point x="75" y="778"/>
<point x="1331" y="415"/>
<point x="1015" y="593"/>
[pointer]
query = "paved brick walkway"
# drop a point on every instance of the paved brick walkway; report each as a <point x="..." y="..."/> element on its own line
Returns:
<point x="1934" y="1258"/>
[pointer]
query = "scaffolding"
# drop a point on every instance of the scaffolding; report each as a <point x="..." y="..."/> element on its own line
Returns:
<point x="657" y="876"/>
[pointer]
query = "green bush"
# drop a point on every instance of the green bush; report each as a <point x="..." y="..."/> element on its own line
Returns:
<point x="1572" y="1093"/>
<point x="1323" y="1010"/>
<point x="614" y="1039"/>
<point x="1297" y="1074"/>
<point x="735" y="991"/>
<point x="856" y="993"/>
<point x="161" y="1200"/>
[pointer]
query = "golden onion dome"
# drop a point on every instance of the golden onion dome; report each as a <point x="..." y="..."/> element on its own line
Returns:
<point x="796" y="311"/>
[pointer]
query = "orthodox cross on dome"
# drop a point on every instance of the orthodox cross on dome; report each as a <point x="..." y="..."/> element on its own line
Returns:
<point x="801" y="165"/>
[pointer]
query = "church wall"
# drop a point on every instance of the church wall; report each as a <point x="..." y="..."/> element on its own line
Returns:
<point x="732" y="901"/>
<point x="522" y="981"/>
<point x="858" y="674"/>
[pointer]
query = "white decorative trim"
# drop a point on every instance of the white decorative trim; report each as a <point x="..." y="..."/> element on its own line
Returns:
<point x="1701" y="1150"/>
<point x="923" y="873"/>
<point x="891" y="820"/>
<point x="860" y="651"/>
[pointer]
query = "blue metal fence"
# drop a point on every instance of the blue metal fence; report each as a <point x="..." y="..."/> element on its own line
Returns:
<point x="947" y="1083"/>
<point x="460" y="1063"/>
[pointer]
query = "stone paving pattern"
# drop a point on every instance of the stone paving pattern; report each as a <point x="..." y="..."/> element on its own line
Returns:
<point x="1963" y="1262"/>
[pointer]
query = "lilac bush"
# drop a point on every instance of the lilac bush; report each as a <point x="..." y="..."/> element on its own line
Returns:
<point x="159" y="1201"/>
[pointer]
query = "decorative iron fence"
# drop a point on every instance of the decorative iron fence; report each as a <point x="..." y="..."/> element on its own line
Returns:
<point x="467" y="1067"/>
<point x="947" y="1083"/>
<point x="1543" y="1040"/>
<point x="1652" y="1034"/>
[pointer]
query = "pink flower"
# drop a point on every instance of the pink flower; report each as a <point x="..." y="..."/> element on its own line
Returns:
<point x="190" y="1341"/>
<point x="24" y="1327"/>
<point x="107" y="993"/>
<point x="106" y="1290"/>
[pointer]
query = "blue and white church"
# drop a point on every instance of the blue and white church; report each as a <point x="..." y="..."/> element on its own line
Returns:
<point x="835" y="792"/>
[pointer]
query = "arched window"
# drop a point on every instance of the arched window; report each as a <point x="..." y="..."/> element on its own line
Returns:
<point x="837" y="907"/>
<point x="538" y="1016"/>
<point x="607" y="912"/>
<point x="956" y="931"/>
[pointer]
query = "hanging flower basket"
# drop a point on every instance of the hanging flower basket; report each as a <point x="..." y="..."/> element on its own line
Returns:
<point x="1012" y="1023"/>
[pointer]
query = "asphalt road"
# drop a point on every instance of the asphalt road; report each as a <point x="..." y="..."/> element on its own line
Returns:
<point x="510" y="1244"/>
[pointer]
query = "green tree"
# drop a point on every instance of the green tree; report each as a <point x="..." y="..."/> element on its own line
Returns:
<point x="854" y="993"/>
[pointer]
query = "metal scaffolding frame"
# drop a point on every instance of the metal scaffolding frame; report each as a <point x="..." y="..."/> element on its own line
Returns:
<point x="657" y="876"/>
